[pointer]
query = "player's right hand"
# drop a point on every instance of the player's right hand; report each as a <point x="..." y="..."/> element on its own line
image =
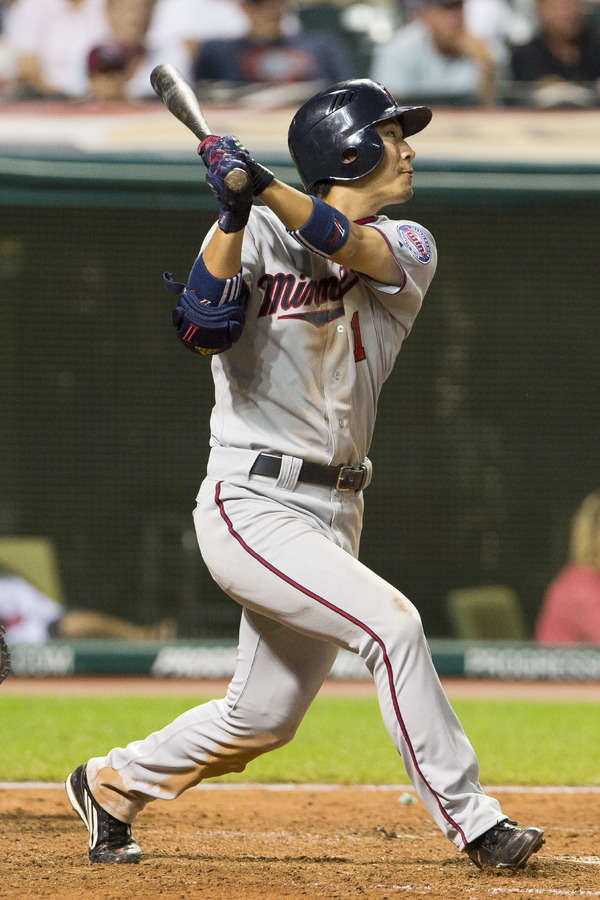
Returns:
<point x="213" y="149"/>
<point x="222" y="156"/>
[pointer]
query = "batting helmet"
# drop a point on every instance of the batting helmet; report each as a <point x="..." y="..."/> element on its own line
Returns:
<point x="331" y="137"/>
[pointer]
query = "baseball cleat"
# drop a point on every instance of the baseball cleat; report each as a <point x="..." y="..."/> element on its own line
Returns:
<point x="504" y="846"/>
<point x="110" y="840"/>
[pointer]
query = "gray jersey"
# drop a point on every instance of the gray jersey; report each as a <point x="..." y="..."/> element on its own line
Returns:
<point x="307" y="315"/>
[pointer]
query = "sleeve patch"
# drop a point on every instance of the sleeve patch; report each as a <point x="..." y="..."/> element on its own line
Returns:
<point x="416" y="242"/>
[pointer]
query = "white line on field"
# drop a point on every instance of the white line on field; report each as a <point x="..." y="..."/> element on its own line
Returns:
<point x="544" y="892"/>
<point x="529" y="892"/>
<point x="586" y="860"/>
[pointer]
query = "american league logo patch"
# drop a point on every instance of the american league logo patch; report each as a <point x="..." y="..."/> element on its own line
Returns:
<point x="415" y="240"/>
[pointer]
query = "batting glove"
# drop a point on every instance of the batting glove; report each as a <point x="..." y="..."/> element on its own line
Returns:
<point x="221" y="156"/>
<point x="213" y="147"/>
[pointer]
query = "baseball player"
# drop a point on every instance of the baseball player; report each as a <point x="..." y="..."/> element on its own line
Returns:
<point x="304" y="302"/>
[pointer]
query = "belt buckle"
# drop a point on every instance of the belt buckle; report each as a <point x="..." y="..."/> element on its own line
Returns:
<point x="351" y="478"/>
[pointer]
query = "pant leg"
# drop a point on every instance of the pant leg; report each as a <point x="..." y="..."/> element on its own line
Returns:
<point x="278" y="673"/>
<point x="287" y="565"/>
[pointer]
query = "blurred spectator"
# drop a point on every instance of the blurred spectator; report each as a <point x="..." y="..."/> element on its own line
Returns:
<point x="110" y="67"/>
<point x="8" y="57"/>
<point x="129" y="20"/>
<point x="178" y="27"/>
<point x="570" y="611"/>
<point x="119" y="67"/>
<point x="560" y="66"/>
<point x="269" y="56"/>
<point x="435" y="57"/>
<point x="51" y="40"/>
<point x="30" y="617"/>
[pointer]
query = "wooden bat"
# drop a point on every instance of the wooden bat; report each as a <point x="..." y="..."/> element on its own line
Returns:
<point x="179" y="98"/>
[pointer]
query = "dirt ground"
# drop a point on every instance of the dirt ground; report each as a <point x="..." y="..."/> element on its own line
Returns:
<point x="241" y="843"/>
<point x="233" y="842"/>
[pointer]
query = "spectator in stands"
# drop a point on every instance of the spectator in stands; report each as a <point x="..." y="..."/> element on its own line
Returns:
<point x="570" y="611"/>
<point x="51" y="40"/>
<point x="178" y="27"/>
<point x="269" y="56"/>
<point x="8" y="57"/>
<point x="30" y="617"/>
<point x="561" y="64"/>
<point x="119" y="67"/>
<point x="129" y="20"/>
<point x="110" y="66"/>
<point x="435" y="56"/>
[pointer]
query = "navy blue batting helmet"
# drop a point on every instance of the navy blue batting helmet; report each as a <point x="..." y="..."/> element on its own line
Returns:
<point x="331" y="137"/>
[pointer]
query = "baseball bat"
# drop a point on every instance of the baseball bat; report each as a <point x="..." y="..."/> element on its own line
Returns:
<point x="179" y="98"/>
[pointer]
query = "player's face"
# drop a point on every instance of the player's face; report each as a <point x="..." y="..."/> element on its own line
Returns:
<point x="393" y="175"/>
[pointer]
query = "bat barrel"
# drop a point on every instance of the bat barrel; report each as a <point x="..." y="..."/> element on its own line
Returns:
<point x="179" y="98"/>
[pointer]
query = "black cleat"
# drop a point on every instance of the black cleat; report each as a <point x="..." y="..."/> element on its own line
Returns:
<point x="110" y="840"/>
<point x="504" y="846"/>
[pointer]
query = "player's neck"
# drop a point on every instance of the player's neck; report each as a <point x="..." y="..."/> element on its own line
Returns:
<point x="353" y="203"/>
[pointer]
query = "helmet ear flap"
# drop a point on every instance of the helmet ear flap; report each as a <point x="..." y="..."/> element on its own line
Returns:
<point x="331" y="137"/>
<point x="361" y="154"/>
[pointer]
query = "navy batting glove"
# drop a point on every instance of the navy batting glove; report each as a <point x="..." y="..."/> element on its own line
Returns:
<point x="234" y="215"/>
<point x="222" y="156"/>
<point x="216" y="150"/>
<point x="213" y="148"/>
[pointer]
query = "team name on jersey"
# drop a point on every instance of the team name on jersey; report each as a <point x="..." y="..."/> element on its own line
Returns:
<point x="284" y="292"/>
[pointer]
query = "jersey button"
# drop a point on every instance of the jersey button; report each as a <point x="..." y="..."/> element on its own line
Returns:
<point x="337" y="375"/>
<point x="340" y="329"/>
<point x="341" y="423"/>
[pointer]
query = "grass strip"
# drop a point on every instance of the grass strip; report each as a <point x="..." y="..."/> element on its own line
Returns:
<point x="43" y="737"/>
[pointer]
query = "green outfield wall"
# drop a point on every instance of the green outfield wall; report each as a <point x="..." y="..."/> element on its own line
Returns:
<point x="215" y="659"/>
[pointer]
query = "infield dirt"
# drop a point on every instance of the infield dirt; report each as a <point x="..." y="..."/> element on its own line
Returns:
<point x="241" y="843"/>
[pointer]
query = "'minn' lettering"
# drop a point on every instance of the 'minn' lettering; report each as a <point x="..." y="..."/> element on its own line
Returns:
<point x="285" y="292"/>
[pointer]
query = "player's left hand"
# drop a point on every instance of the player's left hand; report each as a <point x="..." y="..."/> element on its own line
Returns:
<point x="234" y="206"/>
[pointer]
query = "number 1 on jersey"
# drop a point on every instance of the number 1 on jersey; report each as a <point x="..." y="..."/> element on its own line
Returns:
<point x="359" y="350"/>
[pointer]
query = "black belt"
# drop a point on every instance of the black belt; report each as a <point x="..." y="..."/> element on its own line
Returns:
<point x="342" y="478"/>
